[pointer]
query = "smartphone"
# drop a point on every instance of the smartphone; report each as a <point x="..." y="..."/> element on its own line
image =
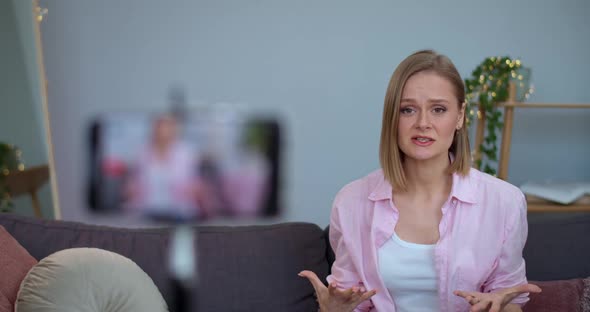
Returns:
<point x="184" y="167"/>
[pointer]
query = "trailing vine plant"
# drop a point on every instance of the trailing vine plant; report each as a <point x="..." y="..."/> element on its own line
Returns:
<point x="488" y="86"/>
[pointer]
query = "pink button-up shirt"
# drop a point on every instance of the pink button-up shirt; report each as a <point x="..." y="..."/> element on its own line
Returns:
<point x="482" y="234"/>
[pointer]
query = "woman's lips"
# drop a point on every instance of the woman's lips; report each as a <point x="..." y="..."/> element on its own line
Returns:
<point x="422" y="141"/>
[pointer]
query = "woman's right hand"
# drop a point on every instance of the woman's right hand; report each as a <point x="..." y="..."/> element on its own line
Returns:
<point x="332" y="299"/>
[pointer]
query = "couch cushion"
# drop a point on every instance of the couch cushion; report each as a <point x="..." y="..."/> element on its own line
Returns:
<point x="565" y="295"/>
<point x="88" y="279"/>
<point x="146" y="247"/>
<point x="5" y="305"/>
<point x="15" y="262"/>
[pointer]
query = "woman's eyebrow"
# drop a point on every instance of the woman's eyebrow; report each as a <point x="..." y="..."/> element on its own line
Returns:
<point x="434" y="100"/>
<point x="437" y="100"/>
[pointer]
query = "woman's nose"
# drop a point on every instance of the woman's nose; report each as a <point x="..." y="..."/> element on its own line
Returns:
<point x="423" y="121"/>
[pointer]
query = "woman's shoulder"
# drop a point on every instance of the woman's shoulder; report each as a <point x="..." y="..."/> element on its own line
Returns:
<point x="359" y="190"/>
<point x="352" y="203"/>
<point x="492" y="184"/>
<point x="364" y="185"/>
<point x="492" y="190"/>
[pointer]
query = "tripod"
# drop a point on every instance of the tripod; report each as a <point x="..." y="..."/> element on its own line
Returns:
<point x="183" y="268"/>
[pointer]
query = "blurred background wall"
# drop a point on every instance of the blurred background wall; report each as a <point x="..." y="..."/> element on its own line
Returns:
<point x="21" y="113"/>
<point x="322" y="66"/>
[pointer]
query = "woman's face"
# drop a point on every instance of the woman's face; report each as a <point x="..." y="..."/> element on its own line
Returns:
<point x="429" y="115"/>
<point x="165" y="130"/>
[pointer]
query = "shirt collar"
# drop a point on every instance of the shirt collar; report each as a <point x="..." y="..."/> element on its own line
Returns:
<point x="382" y="191"/>
<point x="463" y="189"/>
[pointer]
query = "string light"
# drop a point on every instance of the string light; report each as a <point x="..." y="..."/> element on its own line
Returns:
<point x="41" y="12"/>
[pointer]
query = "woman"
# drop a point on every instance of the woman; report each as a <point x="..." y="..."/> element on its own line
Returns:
<point x="163" y="182"/>
<point x="426" y="232"/>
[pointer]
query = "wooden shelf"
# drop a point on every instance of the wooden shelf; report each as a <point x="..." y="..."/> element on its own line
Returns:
<point x="28" y="181"/>
<point x="536" y="207"/>
<point x="537" y="204"/>
<point x="543" y="105"/>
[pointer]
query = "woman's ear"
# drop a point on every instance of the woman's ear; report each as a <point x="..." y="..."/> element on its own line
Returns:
<point x="461" y="117"/>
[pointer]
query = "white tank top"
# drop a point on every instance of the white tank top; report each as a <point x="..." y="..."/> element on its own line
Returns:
<point x="409" y="273"/>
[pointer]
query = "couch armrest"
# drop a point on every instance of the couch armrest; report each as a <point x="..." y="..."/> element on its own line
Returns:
<point x="564" y="295"/>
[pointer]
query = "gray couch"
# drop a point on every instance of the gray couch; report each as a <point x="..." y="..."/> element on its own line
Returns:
<point x="254" y="268"/>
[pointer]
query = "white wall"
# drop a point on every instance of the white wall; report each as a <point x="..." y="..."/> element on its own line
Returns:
<point x="322" y="65"/>
<point x="23" y="12"/>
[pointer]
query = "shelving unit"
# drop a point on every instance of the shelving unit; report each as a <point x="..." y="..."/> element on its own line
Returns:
<point x="28" y="181"/>
<point x="534" y="204"/>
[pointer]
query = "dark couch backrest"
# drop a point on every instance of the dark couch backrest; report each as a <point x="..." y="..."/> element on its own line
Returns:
<point x="246" y="268"/>
<point x="558" y="247"/>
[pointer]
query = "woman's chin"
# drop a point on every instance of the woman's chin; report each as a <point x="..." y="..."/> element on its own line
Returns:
<point x="422" y="155"/>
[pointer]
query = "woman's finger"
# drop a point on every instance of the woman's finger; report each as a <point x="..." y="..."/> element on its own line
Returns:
<point x="483" y="305"/>
<point x="472" y="300"/>
<point x="314" y="280"/>
<point x="332" y="289"/>
<point x="365" y="296"/>
<point x="496" y="306"/>
<point x="342" y="294"/>
<point x="525" y="288"/>
<point x="464" y="294"/>
<point x="513" y="292"/>
<point x="356" y="294"/>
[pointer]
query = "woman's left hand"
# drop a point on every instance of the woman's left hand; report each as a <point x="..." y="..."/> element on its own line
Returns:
<point x="495" y="301"/>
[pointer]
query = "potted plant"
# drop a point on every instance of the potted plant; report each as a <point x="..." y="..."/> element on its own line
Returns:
<point x="9" y="161"/>
<point x="488" y="86"/>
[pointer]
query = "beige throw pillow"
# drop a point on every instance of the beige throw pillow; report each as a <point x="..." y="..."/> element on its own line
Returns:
<point x="88" y="280"/>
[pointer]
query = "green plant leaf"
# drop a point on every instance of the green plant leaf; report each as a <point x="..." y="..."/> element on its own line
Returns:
<point x="487" y="93"/>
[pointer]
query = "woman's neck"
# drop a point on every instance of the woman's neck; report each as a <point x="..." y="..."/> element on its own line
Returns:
<point x="427" y="178"/>
<point x="161" y="149"/>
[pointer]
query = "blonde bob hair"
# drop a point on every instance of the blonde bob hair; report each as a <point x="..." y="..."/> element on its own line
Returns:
<point x="390" y="155"/>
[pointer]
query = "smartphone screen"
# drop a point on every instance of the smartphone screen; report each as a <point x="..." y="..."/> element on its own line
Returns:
<point x="184" y="167"/>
